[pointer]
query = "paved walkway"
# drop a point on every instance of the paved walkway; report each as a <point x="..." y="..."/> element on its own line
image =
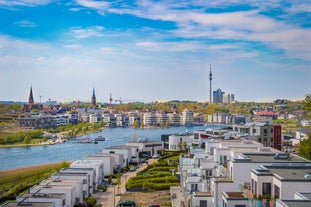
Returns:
<point x="178" y="199"/>
<point x="109" y="198"/>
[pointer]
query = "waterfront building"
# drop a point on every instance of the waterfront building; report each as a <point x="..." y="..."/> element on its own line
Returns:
<point x="127" y="151"/>
<point x="187" y="118"/>
<point x="134" y="118"/>
<point x="110" y="119"/>
<point x="217" y="118"/>
<point x="179" y="141"/>
<point x="122" y="120"/>
<point x="37" y="122"/>
<point x="147" y="148"/>
<point x="108" y="162"/>
<point x="149" y="119"/>
<point x="95" y="118"/>
<point x="97" y="165"/>
<point x="161" y="118"/>
<point x="174" y="119"/>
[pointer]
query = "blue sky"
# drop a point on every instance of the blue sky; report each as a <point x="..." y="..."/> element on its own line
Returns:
<point x="150" y="50"/>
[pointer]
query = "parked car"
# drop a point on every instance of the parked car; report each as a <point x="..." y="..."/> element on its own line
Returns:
<point x="132" y="168"/>
<point x="153" y="205"/>
<point x="127" y="204"/>
<point x="155" y="156"/>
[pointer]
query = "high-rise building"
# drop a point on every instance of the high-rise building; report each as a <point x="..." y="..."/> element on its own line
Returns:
<point x="228" y="98"/>
<point x="218" y="96"/>
<point x="93" y="98"/>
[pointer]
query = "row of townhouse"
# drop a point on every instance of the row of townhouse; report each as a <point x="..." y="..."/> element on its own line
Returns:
<point x="229" y="173"/>
<point x="47" y="121"/>
<point x="69" y="186"/>
<point x="186" y="118"/>
<point x="266" y="134"/>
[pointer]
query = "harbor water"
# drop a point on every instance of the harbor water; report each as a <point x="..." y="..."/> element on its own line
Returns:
<point x="11" y="158"/>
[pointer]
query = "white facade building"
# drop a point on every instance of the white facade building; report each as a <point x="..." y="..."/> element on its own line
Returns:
<point x="187" y="118"/>
<point x="107" y="160"/>
<point x="97" y="165"/>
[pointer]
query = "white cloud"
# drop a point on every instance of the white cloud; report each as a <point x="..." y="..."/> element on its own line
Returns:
<point x="146" y="44"/>
<point x="24" y="2"/>
<point x="72" y="46"/>
<point x="99" y="5"/>
<point x="25" y="23"/>
<point x="82" y="33"/>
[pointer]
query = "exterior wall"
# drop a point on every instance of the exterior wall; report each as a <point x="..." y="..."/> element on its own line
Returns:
<point x="196" y="201"/>
<point x="241" y="172"/>
<point x="175" y="139"/>
<point x="77" y="184"/>
<point x="108" y="163"/>
<point x="260" y="180"/>
<point x="174" y="119"/>
<point x="233" y="203"/>
<point x="148" y="147"/>
<point x="97" y="165"/>
<point x="125" y="152"/>
<point x="288" y="189"/>
<point x="91" y="175"/>
<point x="58" y="202"/>
<point x="217" y="188"/>
<point x="149" y="119"/>
<point x="68" y="191"/>
<point x="85" y="181"/>
<point x="187" y="118"/>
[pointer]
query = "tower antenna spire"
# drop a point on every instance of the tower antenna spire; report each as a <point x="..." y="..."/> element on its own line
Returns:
<point x="210" y="83"/>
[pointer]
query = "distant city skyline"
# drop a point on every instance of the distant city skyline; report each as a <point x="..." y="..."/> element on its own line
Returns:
<point x="149" y="50"/>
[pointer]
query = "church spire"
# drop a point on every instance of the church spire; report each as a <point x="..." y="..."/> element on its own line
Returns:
<point x="93" y="98"/>
<point x="31" y="100"/>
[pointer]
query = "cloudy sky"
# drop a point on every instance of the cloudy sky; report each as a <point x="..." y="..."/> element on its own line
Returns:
<point x="150" y="50"/>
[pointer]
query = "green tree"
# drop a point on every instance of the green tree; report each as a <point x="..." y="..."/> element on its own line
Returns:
<point x="179" y="145"/>
<point x="167" y="124"/>
<point x="136" y="124"/>
<point x="184" y="144"/>
<point x="305" y="145"/>
<point x="27" y="139"/>
<point x="307" y="104"/>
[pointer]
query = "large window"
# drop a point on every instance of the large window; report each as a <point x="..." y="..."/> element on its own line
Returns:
<point x="276" y="190"/>
<point x="223" y="159"/>
<point x="194" y="187"/>
<point x="266" y="189"/>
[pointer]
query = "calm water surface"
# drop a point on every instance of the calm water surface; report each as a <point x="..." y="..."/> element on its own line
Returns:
<point x="11" y="158"/>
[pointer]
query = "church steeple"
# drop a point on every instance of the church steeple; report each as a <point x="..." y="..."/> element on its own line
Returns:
<point x="31" y="100"/>
<point x="93" y="98"/>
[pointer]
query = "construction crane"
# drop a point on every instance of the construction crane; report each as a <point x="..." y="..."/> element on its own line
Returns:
<point x="120" y="101"/>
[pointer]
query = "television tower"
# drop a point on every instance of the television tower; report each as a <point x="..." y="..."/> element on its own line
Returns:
<point x="210" y="84"/>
